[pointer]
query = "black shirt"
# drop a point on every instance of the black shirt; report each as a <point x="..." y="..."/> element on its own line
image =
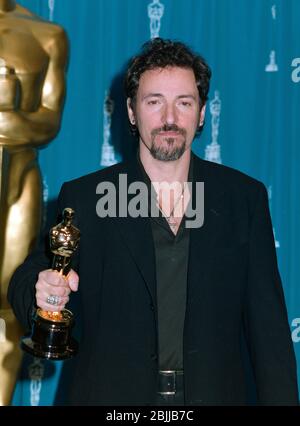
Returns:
<point x="171" y="254"/>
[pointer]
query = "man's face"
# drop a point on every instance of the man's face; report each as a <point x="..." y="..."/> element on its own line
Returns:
<point x="167" y="111"/>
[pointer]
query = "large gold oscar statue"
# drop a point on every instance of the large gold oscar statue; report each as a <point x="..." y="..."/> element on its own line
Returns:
<point x="33" y="55"/>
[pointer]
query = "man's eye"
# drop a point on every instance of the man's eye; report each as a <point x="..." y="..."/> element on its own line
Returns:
<point x="185" y="103"/>
<point x="153" y="102"/>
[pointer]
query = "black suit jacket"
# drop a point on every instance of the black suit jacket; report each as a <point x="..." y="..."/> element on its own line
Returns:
<point x="233" y="287"/>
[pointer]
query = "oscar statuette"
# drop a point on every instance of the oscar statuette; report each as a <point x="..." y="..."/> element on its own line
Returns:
<point x="51" y="331"/>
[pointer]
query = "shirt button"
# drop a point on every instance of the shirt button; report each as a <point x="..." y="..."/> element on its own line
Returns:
<point x="152" y="307"/>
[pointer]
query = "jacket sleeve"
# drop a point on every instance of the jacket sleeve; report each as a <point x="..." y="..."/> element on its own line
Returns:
<point x="21" y="289"/>
<point x="265" y="318"/>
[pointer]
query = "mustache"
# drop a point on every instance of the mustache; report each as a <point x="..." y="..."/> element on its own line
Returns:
<point x="168" y="128"/>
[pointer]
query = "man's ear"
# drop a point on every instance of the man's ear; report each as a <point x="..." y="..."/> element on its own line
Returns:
<point x="130" y="111"/>
<point x="202" y="115"/>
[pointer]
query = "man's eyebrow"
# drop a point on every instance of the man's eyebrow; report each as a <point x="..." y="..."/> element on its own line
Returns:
<point x="150" y="95"/>
<point x="187" y="96"/>
<point x="159" y="95"/>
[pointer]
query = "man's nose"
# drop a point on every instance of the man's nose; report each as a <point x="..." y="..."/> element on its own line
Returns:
<point x="170" y="116"/>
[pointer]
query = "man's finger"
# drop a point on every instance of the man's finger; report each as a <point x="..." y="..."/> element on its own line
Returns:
<point x="73" y="280"/>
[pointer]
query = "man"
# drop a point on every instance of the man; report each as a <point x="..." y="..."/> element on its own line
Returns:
<point x="33" y="56"/>
<point x="164" y="304"/>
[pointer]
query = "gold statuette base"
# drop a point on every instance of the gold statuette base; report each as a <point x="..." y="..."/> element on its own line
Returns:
<point x="51" y="339"/>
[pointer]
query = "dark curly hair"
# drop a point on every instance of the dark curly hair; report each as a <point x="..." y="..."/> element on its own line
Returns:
<point x="162" y="53"/>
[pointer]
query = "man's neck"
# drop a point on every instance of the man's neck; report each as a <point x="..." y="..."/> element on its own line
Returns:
<point x="165" y="171"/>
<point x="7" y="5"/>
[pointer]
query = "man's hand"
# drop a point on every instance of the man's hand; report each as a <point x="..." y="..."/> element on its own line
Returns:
<point x="55" y="287"/>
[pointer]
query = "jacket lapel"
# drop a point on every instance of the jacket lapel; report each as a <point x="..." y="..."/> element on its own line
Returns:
<point x="203" y="239"/>
<point x="137" y="235"/>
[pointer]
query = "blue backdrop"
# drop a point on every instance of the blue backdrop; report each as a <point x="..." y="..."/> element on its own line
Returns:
<point x="252" y="121"/>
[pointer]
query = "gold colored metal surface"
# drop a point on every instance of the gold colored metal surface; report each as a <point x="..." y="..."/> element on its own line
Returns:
<point x="33" y="56"/>
<point x="63" y="316"/>
<point x="64" y="240"/>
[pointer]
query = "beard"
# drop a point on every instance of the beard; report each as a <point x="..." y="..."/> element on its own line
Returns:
<point x="173" y="151"/>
